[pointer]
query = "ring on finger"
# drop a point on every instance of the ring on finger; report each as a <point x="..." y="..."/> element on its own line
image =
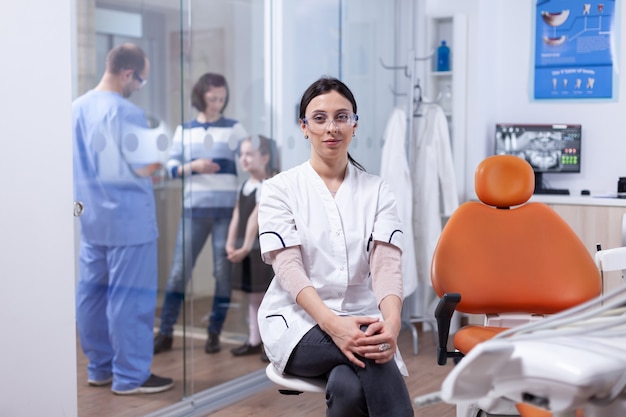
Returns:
<point x="383" y="347"/>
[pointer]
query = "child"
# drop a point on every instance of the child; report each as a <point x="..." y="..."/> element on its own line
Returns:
<point x="250" y="273"/>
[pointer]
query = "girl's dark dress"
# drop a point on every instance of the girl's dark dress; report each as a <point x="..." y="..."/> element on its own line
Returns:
<point x="251" y="274"/>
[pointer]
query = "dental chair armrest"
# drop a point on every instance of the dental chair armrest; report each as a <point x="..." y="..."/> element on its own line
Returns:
<point x="443" y="314"/>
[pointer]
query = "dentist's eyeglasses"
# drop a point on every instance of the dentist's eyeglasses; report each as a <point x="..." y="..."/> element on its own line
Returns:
<point x="142" y="82"/>
<point x="318" y="122"/>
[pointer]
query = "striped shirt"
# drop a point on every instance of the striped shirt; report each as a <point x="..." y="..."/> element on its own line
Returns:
<point x="208" y="195"/>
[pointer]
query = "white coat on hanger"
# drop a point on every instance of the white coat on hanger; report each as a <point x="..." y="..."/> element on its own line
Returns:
<point x="434" y="192"/>
<point x="394" y="169"/>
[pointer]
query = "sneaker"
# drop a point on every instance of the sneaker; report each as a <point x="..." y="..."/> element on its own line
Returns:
<point x="247" y="349"/>
<point x="162" y="343"/>
<point x="100" y="382"/>
<point x="153" y="385"/>
<point x="213" y="343"/>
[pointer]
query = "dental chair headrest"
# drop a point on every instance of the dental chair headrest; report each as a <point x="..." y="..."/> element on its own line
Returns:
<point x="504" y="181"/>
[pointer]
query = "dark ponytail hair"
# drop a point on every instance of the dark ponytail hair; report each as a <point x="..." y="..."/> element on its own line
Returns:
<point x="322" y="86"/>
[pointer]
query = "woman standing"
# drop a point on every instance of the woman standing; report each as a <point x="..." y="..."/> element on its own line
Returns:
<point x="332" y="235"/>
<point x="203" y="154"/>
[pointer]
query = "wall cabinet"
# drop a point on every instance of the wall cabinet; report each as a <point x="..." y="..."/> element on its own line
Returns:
<point x="597" y="225"/>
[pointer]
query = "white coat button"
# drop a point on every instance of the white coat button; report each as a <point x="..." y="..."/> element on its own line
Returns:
<point x="341" y="268"/>
<point x="340" y="294"/>
<point x="338" y="233"/>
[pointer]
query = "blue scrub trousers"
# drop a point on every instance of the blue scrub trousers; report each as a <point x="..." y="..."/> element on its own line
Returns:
<point x="115" y="303"/>
<point x="373" y="391"/>
<point x="188" y="247"/>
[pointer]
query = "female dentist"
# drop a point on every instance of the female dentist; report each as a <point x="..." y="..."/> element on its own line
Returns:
<point x="333" y="237"/>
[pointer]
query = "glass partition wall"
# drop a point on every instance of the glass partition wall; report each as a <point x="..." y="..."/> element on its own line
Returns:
<point x="224" y="38"/>
<point x="268" y="51"/>
<point x="185" y="40"/>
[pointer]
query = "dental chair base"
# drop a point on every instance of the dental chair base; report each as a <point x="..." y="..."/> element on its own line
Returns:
<point x="575" y="360"/>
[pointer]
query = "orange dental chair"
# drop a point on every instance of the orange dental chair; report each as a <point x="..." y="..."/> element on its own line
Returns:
<point x="510" y="261"/>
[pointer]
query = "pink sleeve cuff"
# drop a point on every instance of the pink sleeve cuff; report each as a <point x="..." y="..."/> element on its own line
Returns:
<point x="386" y="269"/>
<point x="289" y="270"/>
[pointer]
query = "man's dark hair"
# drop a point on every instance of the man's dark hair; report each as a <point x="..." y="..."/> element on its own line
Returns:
<point x="126" y="56"/>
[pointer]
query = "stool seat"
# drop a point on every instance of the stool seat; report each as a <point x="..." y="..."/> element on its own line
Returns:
<point x="294" y="385"/>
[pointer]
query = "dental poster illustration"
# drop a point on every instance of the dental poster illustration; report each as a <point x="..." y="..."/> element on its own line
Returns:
<point x="574" y="45"/>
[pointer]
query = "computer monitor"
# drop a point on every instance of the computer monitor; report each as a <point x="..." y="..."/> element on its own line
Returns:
<point x="548" y="148"/>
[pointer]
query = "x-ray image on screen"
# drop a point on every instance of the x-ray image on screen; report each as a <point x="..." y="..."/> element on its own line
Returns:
<point x="553" y="148"/>
<point x="547" y="148"/>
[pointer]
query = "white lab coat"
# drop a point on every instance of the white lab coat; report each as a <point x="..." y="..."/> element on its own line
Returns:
<point x="336" y="236"/>
<point x="394" y="168"/>
<point x="434" y="192"/>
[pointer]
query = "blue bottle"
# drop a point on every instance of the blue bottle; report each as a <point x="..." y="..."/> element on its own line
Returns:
<point x="443" y="57"/>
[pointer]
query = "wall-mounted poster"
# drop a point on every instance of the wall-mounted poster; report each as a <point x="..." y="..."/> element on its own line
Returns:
<point x="575" y="49"/>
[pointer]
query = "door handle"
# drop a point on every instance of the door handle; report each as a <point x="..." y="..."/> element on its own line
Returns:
<point x="78" y="208"/>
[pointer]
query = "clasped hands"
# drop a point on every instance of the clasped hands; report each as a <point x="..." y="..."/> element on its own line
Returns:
<point x="364" y="337"/>
<point x="236" y="254"/>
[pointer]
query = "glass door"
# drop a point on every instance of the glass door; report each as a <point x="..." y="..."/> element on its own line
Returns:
<point x="186" y="42"/>
<point x="218" y="58"/>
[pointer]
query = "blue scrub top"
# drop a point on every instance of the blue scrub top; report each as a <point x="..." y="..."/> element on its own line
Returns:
<point x="119" y="206"/>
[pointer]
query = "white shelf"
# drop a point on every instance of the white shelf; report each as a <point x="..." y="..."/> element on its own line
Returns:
<point x="453" y="83"/>
<point x="579" y="200"/>
<point x="441" y="74"/>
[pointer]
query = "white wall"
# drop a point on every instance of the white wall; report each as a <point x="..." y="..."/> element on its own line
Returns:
<point x="38" y="347"/>
<point x="499" y="72"/>
<point x="602" y="146"/>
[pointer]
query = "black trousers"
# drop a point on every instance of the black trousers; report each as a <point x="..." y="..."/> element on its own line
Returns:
<point x="373" y="391"/>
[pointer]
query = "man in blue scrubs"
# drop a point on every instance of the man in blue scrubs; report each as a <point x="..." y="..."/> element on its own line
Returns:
<point x="117" y="283"/>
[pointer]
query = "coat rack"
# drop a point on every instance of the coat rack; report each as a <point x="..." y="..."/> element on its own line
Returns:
<point x="412" y="105"/>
